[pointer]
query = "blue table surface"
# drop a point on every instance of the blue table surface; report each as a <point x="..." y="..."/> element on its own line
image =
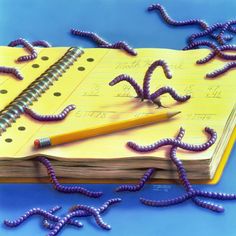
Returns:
<point x="115" y="20"/>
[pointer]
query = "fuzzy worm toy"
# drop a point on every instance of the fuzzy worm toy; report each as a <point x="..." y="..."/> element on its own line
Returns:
<point x="28" y="46"/>
<point x="190" y="192"/>
<point x="64" y="189"/>
<point x="80" y="213"/>
<point x="91" y="210"/>
<point x="101" y="209"/>
<point x="11" y="70"/>
<point x="41" y="43"/>
<point x="175" y="142"/>
<point x="144" y="93"/>
<point x="104" y="44"/>
<point x="208" y="31"/>
<point x="201" y="23"/>
<point x="83" y="210"/>
<point x="218" y="72"/>
<point x="227" y="25"/>
<point x="213" y="54"/>
<point x="61" y="116"/>
<point x="59" y="222"/>
<point x="35" y="211"/>
<point x="139" y="186"/>
<point x="50" y="226"/>
<point x="217" y="50"/>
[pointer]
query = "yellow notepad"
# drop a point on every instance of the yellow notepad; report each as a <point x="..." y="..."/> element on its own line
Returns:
<point x="85" y="84"/>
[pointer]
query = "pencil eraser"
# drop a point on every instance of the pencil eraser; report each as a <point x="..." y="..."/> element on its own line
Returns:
<point x="36" y="143"/>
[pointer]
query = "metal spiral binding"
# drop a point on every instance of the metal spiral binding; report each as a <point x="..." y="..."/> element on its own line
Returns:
<point x="12" y="111"/>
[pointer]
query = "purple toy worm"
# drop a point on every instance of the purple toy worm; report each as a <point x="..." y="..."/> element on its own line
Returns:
<point x="207" y="32"/>
<point x="131" y="81"/>
<point x="191" y="193"/>
<point x="227" y="26"/>
<point x="51" y="226"/>
<point x="93" y="36"/>
<point x="170" y="21"/>
<point x="101" y="209"/>
<point x="34" y="211"/>
<point x="61" y="116"/>
<point x="121" y="45"/>
<point x="64" y="189"/>
<point x="78" y="212"/>
<point x="184" y="180"/>
<point x="214" y="195"/>
<point x="46" y="223"/>
<point x="163" y="203"/>
<point x="104" y="44"/>
<point x="139" y="186"/>
<point x="221" y="71"/>
<point x="211" y="55"/>
<point x="28" y="46"/>
<point x="41" y="43"/>
<point x="174" y="142"/>
<point x="217" y="49"/>
<point x="149" y="72"/>
<point x="144" y="93"/>
<point x="69" y="216"/>
<point x="11" y="70"/>
<point x="172" y="93"/>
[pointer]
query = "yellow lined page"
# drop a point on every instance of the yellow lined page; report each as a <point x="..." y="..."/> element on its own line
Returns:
<point x="97" y="103"/>
<point x="29" y="70"/>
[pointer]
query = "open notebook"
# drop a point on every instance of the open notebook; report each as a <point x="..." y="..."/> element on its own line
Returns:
<point x="81" y="77"/>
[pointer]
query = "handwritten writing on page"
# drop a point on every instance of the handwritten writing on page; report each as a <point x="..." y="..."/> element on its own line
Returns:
<point x="98" y="103"/>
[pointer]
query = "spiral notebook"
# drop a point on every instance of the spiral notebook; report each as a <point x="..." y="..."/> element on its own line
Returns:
<point x="63" y="76"/>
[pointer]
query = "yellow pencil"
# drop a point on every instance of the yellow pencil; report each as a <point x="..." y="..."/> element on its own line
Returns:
<point x="102" y="129"/>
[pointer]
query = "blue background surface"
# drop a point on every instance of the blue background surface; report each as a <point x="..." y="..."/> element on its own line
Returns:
<point x="115" y="20"/>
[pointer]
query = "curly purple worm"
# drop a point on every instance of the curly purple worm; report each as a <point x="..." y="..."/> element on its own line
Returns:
<point x="28" y="46"/>
<point x="131" y="81"/>
<point x="64" y="189"/>
<point x="101" y="209"/>
<point x="171" y="91"/>
<point x="149" y="72"/>
<point x="188" y="187"/>
<point x="184" y="180"/>
<point x="46" y="223"/>
<point x="104" y="44"/>
<point x="80" y="213"/>
<point x="224" y="28"/>
<point x="139" y="186"/>
<point x="61" y="116"/>
<point x="207" y="32"/>
<point x="211" y="55"/>
<point x="41" y="43"/>
<point x="191" y="193"/>
<point x="90" y="210"/>
<point x="145" y="92"/>
<point x="170" y="21"/>
<point x="221" y="71"/>
<point x="174" y="142"/>
<point x="51" y="226"/>
<point x="34" y="211"/>
<point x="214" y="47"/>
<point x="11" y="70"/>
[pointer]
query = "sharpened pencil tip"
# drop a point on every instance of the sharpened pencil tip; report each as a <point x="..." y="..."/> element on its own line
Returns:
<point x="173" y="113"/>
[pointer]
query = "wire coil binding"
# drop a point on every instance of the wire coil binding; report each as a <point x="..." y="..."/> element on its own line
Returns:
<point x="13" y="111"/>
